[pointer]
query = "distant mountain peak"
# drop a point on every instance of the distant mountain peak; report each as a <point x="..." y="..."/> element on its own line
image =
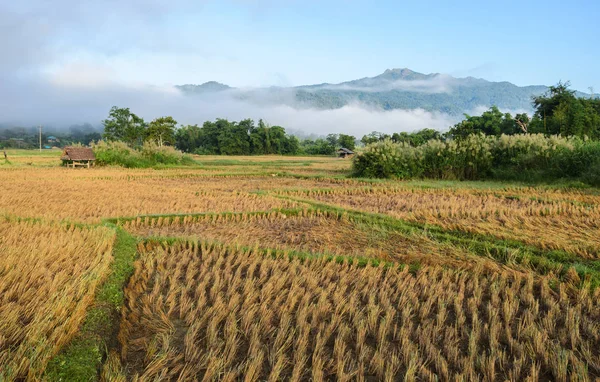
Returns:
<point x="404" y="74"/>
<point x="210" y="86"/>
<point x="400" y="71"/>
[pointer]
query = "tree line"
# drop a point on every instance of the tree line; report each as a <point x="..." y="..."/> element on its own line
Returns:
<point x="557" y="112"/>
<point x="220" y="137"/>
<point x="28" y="138"/>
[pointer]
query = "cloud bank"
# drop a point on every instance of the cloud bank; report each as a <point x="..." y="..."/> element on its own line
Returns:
<point x="440" y="83"/>
<point x="87" y="95"/>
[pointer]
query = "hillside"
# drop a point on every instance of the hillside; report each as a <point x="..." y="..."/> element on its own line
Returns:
<point x="393" y="89"/>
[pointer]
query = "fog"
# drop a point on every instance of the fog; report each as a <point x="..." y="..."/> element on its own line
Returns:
<point x="440" y="83"/>
<point x="60" y="104"/>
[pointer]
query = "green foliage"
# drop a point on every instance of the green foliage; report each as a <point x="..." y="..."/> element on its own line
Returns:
<point x="417" y="138"/>
<point x="347" y="141"/>
<point x="81" y="359"/>
<point x="162" y="131"/>
<point x="28" y="138"/>
<point x="187" y="138"/>
<point x="123" y="125"/>
<point x="373" y="137"/>
<point x="150" y="154"/>
<point x="318" y="146"/>
<point x="491" y="122"/>
<point x="477" y="156"/>
<point x="559" y="111"/>
<point x="236" y="138"/>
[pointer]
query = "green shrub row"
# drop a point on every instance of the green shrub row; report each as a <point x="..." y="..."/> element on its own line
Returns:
<point x="515" y="157"/>
<point x="149" y="155"/>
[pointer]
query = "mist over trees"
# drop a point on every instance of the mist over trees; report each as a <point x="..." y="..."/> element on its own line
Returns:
<point x="559" y="111"/>
<point x="28" y="137"/>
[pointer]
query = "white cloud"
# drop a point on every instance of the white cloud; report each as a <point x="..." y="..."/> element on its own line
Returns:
<point x="84" y="95"/>
<point x="440" y="83"/>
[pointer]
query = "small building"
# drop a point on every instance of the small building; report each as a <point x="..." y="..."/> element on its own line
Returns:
<point x="345" y="153"/>
<point x="53" y="139"/>
<point x="78" y="156"/>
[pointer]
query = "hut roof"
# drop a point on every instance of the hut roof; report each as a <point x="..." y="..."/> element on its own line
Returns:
<point x="78" y="153"/>
<point x="345" y="151"/>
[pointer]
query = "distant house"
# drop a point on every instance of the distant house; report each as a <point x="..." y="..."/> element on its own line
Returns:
<point x="78" y="156"/>
<point x="52" y="139"/>
<point x="345" y="153"/>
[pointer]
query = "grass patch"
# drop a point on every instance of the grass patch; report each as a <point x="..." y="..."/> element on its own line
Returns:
<point x="82" y="358"/>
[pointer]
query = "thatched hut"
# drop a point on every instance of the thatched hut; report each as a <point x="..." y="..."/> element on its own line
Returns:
<point x="345" y="153"/>
<point x="78" y="156"/>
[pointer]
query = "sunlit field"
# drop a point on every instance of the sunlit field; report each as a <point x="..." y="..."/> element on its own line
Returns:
<point x="48" y="276"/>
<point x="227" y="314"/>
<point x="286" y="268"/>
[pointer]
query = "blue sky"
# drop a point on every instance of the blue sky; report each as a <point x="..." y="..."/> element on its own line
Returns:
<point x="263" y="43"/>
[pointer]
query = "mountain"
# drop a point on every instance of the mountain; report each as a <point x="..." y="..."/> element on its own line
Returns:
<point x="393" y="89"/>
<point x="207" y="87"/>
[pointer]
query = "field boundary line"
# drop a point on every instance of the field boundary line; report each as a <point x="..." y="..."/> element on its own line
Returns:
<point x="504" y="251"/>
<point x="82" y="358"/>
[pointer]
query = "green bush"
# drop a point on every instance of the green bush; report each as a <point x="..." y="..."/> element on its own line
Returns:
<point x="517" y="157"/>
<point x="119" y="154"/>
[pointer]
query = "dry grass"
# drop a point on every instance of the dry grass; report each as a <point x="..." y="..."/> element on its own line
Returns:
<point x="48" y="275"/>
<point x="26" y="158"/>
<point x="219" y="312"/>
<point x="311" y="231"/>
<point x="89" y="196"/>
<point x="209" y="313"/>
<point x="551" y="221"/>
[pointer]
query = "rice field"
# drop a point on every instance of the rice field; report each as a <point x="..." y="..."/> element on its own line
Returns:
<point x="312" y="231"/>
<point x="281" y="268"/>
<point x="48" y="276"/>
<point x="569" y="222"/>
<point x="230" y="315"/>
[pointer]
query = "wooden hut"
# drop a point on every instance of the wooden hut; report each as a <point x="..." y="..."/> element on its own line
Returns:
<point x="78" y="156"/>
<point x="345" y="153"/>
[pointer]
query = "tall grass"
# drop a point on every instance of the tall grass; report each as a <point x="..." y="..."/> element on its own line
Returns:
<point x="149" y="155"/>
<point x="516" y="157"/>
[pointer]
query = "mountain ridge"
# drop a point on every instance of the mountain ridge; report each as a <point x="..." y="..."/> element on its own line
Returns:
<point x="395" y="88"/>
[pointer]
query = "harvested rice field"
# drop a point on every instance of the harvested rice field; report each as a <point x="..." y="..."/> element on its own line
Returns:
<point x="48" y="277"/>
<point x="285" y="268"/>
<point x="229" y="315"/>
<point x="555" y="221"/>
<point x="312" y="231"/>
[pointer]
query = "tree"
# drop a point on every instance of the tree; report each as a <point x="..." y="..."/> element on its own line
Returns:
<point x="162" y="131"/>
<point x="333" y="140"/>
<point x="522" y="120"/>
<point x="373" y="137"/>
<point x="292" y="145"/>
<point x="417" y="138"/>
<point x="347" y="141"/>
<point x="259" y="139"/>
<point x="491" y="122"/>
<point x="317" y="147"/>
<point x="233" y="138"/>
<point x="123" y="125"/>
<point x="187" y="138"/>
<point x="560" y="111"/>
